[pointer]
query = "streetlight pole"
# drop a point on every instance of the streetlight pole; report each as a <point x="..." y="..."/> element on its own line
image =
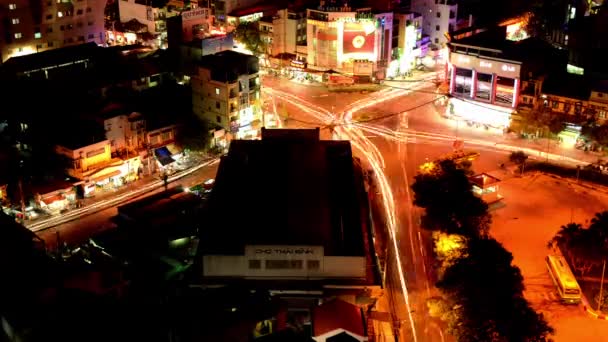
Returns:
<point x="599" y="302"/>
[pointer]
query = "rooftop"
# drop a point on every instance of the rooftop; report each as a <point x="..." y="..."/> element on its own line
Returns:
<point x="228" y="65"/>
<point x="282" y="191"/>
<point x="82" y="134"/>
<point x="483" y="179"/>
<point x="52" y="57"/>
<point x="567" y="85"/>
<point x="335" y="315"/>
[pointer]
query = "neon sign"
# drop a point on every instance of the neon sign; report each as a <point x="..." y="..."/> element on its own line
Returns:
<point x="485" y="64"/>
<point x="508" y="68"/>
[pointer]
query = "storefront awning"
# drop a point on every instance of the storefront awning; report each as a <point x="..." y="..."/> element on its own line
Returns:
<point x="105" y="176"/>
<point x="52" y="199"/>
<point x="173" y="149"/>
<point x="164" y="156"/>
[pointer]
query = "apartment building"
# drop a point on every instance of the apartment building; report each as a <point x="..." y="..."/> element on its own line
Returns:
<point x="226" y="92"/>
<point x="409" y="44"/>
<point x="222" y="8"/>
<point x="154" y="18"/>
<point x="439" y="18"/>
<point x="286" y="31"/>
<point x="126" y="132"/>
<point x="39" y="25"/>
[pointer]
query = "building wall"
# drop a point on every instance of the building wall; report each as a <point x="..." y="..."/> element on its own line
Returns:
<point x="225" y="7"/>
<point x="161" y="136"/>
<point x="265" y="262"/>
<point x="230" y="105"/>
<point x="42" y="25"/>
<point x="154" y="18"/>
<point x="439" y="17"/>
<point x="116" y="131"/>
<point x="289" y="31"/>
<point x="87" y="157"/>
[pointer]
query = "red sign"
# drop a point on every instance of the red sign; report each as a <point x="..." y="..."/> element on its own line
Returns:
<point x="357" y="41"/>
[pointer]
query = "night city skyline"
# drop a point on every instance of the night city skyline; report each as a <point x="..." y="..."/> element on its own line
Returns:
<point x="328" y="170"/>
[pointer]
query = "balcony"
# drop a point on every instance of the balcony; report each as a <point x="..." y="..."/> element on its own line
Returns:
<point x="233" y="93"/>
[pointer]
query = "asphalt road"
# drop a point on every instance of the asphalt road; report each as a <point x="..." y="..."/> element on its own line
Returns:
<point x="79" y="230"/>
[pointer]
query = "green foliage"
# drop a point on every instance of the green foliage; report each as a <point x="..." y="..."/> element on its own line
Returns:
<point x="486" y="290"/>
<point x="518" y="157"/>
<point x="249" y="34"/>
<point x="449" y="203"/>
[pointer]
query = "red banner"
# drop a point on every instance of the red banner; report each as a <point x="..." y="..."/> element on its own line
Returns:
<point x="356" y="41"/>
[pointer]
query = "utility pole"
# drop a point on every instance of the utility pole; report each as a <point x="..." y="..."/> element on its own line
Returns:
<point x="599" y="302"/>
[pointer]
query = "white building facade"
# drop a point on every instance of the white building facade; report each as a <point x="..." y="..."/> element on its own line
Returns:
<point x="439" y="18"/>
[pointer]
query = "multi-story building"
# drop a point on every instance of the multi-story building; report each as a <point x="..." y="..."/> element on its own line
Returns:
<point x="222" y="8"/>
<point x="439" y="18"/>
<point x="126" y="132"/>
<point x="226" y="92"/>
<point x="189" y="25"/>
<point x="356" y="42"/>
<point x="578" y="97"/>
<point x="85" y="155"/>
<point x="154" y="18"/>
<point x="409" y="44"/>
<point x="319" y="234"/>
<point x="35" y="26"/>
<point x="288" y="31"/>
<point x="488" y="74"/>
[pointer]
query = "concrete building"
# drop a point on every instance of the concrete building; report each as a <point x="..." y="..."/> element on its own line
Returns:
<point x="286" y="31"/>
<point x="154" y="18"/>
<point x="356" y="42"/>
<point x="223" y="8"/>
<point x="409" y="44"/>
<point x="491" y="75"/>
<point x="439" y="18"/>
<point x="34" y="26"/>
<point x="125" y="131"/>
<point x="226" y="92"/>
<point x="315" y="232"/>
<point x="189" y="25"/>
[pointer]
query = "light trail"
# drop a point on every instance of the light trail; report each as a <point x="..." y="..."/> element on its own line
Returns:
<point x="101" y="205"/>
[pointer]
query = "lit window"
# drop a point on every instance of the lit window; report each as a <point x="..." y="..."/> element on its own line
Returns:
<point x="12" y="6"/>
<point x="217" y="91"/>
<point x="59" y="14"/>
<point x="37" y="35"/>
<point x="15" y="21"/>
<point x="18" y="35"/>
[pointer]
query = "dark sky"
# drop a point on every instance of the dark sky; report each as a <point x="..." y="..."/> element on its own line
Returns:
<point x="485" y="11"/>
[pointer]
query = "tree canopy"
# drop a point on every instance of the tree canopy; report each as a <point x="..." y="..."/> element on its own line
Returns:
<point x="249" y="34"/>
<point x="450" y="205"/>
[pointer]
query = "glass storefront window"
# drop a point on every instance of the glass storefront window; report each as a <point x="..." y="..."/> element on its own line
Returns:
<point x="484" y="87"/>
<point x="504" y="90"/>
<point x="463" y="82"/>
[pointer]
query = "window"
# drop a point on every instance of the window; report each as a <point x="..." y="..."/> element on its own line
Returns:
<point x="59" y="14"/>
<point x="284" y="264"/>
<point x="217" y="105"/>
<point x="91" y="36"/>
<point x="88" y="9"/>
<point x="79" y="12"/>
<point x="15" y="21"/>
<point x="436" y="40"/>
<point x="554" y="104"/>
<point x="79" y="24"/>
<point x="49" y="29"/>
<point x="437" y="27"/>
<point x="50" y="44"/>
<point x="62" y="27"/>
<point x="81" y="38"/>
<point x="218" y="119"/>
<point x="38" y="46"/>
<point x="18" y="35"/>
<point x="313" y="264"/>
<point x="37" y="35"/>
<point x="12" y="6"/>
<point x="70" y="26"/>
<point x="90" y="23"/>
<point x="255" y="264"/>
<point x="438" y="14"/>
<point x="217" y="91"/>
<point x="49" y="16"/>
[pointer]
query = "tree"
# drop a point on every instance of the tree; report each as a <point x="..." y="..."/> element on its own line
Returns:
<point x="193" y="133"/>
<point x="487" y="290"/>
<point x="248" y="34"/>
<point x="599" y="229"/>
<point x="518" y="157"/>
<point x="450" y="205"/>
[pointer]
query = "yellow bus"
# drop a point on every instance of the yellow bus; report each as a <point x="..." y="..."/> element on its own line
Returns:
<point x="567" y="287"/>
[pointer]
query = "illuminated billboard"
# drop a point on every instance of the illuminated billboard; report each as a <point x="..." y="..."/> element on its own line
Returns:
<point x="359" y="38"/>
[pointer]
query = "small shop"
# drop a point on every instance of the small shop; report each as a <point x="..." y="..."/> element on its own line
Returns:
<point x="486" y="187"/>
<point x="479" y="114"/>
<point x="168" y="157"/>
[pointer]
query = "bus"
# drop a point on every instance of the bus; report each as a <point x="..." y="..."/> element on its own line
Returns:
<point x="567" y="287"/>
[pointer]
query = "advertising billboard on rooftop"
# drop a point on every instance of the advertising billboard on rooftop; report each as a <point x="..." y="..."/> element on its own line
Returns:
<point x="359" y="38"/>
